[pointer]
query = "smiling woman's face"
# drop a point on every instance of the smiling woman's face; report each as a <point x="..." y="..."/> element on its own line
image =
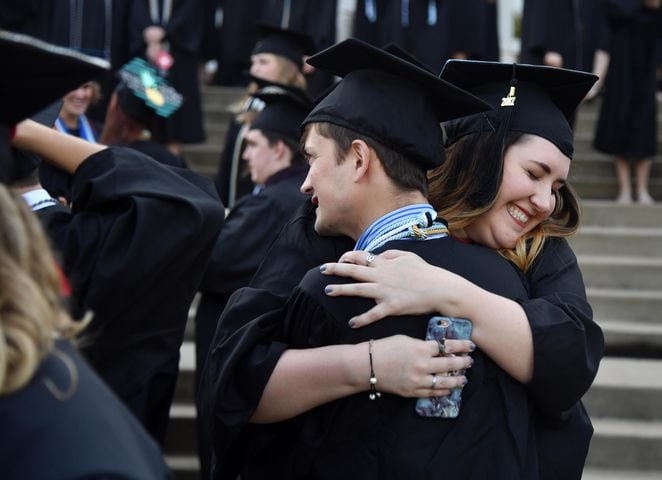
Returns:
<point x="534" y="169"/>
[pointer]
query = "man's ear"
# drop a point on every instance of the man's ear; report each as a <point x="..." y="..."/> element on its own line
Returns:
<point x="280" y="148"/>
<point x="361" y="157"/>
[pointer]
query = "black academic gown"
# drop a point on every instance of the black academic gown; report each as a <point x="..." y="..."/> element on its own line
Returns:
<point x="56" y="427"/>
<point x="184" y="33"/>
<point x="357" y="438"/>
<point x="134" y="247"/>
<point x="247" y="346"/>
<point x="159" y="153"/>
<point x="627" y="122"/>
<point x="249" y="229"/>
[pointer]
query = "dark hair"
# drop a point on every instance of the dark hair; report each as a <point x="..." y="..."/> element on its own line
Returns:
<point x="399" y="169"/>
<point x="274" y="138"/>
<point x="466" y="185"/>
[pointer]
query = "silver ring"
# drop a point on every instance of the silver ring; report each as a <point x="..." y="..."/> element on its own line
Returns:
<point x="370" y="258"/>
<point x="434" y="381"/>
<point x="441" y="343"/>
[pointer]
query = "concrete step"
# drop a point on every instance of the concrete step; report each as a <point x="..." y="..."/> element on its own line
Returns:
<point x="626" y="445"/>
<point x="613" y="474"/>
<point x="626" y="338"/>
<point x="627" y="389"/>
<point x="181" y="435"/>
<point x="217" y="115"/>
<point x="588" y="162"/>
<point x="641" y="306"/>
<point x="220" y="97"/>
<point x="583" y="143"/>
<point x="621" y="272"/>
<point x="618" y="240"/>
<point x="598" y="187"/>
<point x="607" y="213"/>
<point x="216" y="134"/>
<point x="203" y="158"/>
<point x="185" y="467"/>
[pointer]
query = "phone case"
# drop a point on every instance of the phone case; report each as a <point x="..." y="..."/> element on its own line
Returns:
<point x="447" y="328"/>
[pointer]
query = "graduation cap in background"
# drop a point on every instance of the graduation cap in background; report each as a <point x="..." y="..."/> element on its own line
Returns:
<point x="285" y="107"/>
<point x="532" y="99"/>
<point x="35" y="74"/>
<point x="390" y="100"/>
<point x="286" y="43"/>
<point x="142" y="92"/>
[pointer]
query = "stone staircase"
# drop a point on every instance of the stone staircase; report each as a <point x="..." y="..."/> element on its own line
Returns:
<point x="620" y="253"/>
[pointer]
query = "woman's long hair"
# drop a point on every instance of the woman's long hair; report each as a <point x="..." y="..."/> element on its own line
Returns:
<point x="466" y="185"/>
<point x="31" y="313"/>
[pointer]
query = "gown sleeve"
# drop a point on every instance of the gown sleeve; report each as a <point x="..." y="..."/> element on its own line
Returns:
<point x="568" y="344"/>
<point x="135" y="242"/>
<point x="249" y="339"/>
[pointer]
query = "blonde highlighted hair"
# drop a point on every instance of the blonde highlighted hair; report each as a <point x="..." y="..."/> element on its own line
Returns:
<point x="466" y="185"/>
<point x="31" y="313"/>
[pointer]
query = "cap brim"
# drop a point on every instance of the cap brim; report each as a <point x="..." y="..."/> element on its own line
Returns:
<point x="351" y="55"/>
<point x="36" y="73"/>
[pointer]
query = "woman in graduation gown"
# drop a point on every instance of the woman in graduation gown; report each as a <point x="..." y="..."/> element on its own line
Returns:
<point x="233" y="405"/>
<point x="627" y="124"/>
<point x="134" y="245"/>
<point x="60" y="420"/>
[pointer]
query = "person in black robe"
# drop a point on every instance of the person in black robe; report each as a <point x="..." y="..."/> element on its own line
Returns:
<point x="159" y="29"/>
<point x="134" y="247"/>
<point x="273" y="157"/>
<point x="60" y="420"/>
<point x="627" y="123"/>
<point x="276" y="57"/>
<point x="237" y="38"/>
<point x="162" y="223"/>
<point x="232" y="397"/>
<point x="58" y="416"/>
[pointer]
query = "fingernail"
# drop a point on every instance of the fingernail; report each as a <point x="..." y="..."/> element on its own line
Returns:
<point x="465" y="381"/>
<point x="328" y="289"/>
<point x="322" y="268"/>
<point x="472" y="346"/>
<point x="471" y="362"/>
<point x="352" y="323"/>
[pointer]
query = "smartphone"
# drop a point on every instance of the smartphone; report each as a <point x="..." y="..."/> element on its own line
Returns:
<point x="445" y="328"/>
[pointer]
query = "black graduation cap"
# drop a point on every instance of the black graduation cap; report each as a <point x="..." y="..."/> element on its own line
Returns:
<point x="35" y="74"/>
<point x="142" y="92"/>
<point x="390" y="99"/>
<point x="531" y="99"/>
<point x="285" y="107"/>
<point x="286" y="43"/>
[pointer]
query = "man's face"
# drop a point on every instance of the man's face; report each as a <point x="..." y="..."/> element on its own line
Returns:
<point x="327" y="184"/>
<point x="261" y="157"/>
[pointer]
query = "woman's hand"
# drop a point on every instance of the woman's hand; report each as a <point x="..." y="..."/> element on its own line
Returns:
<point x="413" y="368"/>
<point x="399" y="282"/>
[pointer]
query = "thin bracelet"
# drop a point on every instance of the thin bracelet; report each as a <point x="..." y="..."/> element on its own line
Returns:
<point x="374" y="394"/>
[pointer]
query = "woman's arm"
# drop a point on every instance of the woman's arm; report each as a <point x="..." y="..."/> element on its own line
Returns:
<point x="64" y="151"/>
<point x="402" y="283"/>
<point x="402" y="365"/>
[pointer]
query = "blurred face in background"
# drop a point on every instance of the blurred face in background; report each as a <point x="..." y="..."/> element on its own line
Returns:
<point x="78" y="101"/>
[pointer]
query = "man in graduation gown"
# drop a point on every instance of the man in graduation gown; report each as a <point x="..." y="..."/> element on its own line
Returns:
<point x="347" y="206"/>
<point x="277" y="167"/>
